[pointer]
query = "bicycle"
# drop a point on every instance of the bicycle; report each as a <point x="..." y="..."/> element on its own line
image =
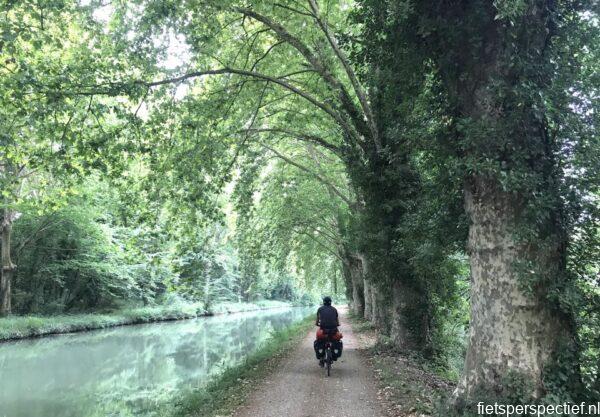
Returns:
<point x="328" y="352"/>
<point x="328" y="357"/>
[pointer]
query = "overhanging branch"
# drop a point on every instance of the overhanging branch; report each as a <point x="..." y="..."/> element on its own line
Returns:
<point x="297" y="135"/>
<point x="360" y="93"/>
<point x="314" y="174"/>
<point x="113" y="89"/>
<point x="346" y="101"/>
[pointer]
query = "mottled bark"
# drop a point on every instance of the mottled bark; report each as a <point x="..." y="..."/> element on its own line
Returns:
<point x="8" y="268"/>
<point x="512" y="330"/>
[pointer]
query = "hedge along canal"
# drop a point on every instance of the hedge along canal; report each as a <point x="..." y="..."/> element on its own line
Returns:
<point x="129" y="371"/>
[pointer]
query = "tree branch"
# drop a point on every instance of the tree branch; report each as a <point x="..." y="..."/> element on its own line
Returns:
<point x="327" y="248"/>
<point x="247" y="134"/>
<point x="298" y="135"/>
<point x="265" y="54"/>
<point x="346" y="101"/>
<point x="116" y="88"/>
<point x="360" y="93"/>
<point x="312" y="152"/>
<point x="314" y="174"/>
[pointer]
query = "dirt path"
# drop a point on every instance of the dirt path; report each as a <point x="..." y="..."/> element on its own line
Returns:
<point x="299" y="388"/>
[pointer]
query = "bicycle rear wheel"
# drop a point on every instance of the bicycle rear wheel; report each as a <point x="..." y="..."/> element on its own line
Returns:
<point x="328" y="361"/>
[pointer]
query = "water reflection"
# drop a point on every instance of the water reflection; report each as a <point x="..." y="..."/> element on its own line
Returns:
<point x="127" y="371"/>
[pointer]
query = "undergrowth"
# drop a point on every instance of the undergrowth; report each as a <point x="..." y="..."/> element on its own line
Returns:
<point x="410" y="384"/>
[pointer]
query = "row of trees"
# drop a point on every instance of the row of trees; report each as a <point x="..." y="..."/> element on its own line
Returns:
<point x="381" y="143"/>
<point x="99" y="209"/>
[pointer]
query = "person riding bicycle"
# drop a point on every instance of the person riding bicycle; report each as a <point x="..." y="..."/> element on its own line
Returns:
<point x="327" y="315"/>
<point x="328" y="322"/>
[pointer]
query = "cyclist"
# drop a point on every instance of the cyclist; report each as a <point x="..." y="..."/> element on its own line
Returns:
<point x="328" y="322"/>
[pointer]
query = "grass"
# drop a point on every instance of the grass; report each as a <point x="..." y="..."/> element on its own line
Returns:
<point x="20" y="327"/>
<point x="230" y="389"/>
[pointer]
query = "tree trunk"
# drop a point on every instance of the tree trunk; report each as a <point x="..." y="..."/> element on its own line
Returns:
<point x="8" y="268"/>
<point x="410" y="327"/>
<point x="335" y="284"/>
<point x="517" y="327"/>
<point x="374" y="305"/>
<point x="368" y="300"/>
<point x="356" y="274"/>
<point x="348" y="283"/>
<point x="380" y="308"/>
<point x="367" y="296"/>
<point x="512" y="331"/>
<point x="207" y="290"/>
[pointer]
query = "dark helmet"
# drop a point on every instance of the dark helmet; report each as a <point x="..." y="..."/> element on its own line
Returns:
<point x="327" y="301"/>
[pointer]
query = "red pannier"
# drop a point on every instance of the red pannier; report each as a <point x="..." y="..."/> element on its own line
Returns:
<point x="322" y="334"/>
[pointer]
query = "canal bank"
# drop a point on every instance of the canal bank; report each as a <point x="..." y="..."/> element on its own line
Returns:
<point x="23" y="327"/>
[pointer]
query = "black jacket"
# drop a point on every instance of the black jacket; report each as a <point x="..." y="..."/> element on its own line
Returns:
<point x="327" y="317"/>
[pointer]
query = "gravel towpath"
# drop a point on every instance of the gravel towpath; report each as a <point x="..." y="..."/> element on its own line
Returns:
<point x="300" y="388"/>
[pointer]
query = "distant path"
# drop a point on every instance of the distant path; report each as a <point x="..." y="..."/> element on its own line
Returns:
<point x="300" y="388"/>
